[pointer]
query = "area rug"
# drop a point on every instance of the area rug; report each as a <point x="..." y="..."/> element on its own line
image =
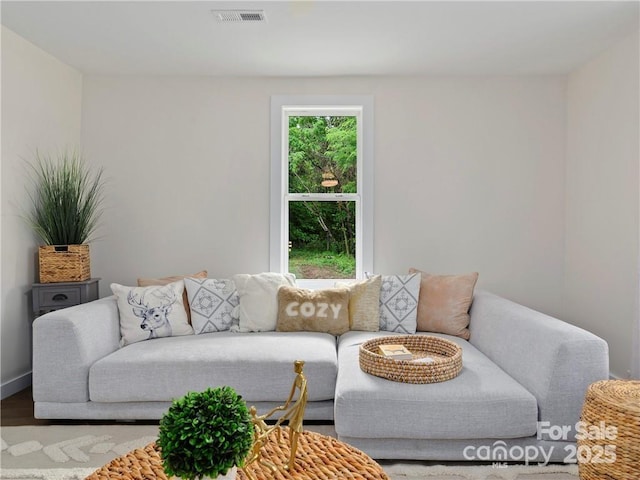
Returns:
<point x="72" y="452"/>
<point x="70" y="446"/>
<point x="418" y="470"/>
<point x="438" y="472"/>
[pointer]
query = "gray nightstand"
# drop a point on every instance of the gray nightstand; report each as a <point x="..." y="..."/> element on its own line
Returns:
<point x="48" y="297"/>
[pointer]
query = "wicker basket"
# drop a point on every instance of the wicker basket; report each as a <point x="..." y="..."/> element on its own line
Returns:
<point x="64" y="263"/>
<point x="318" y="458"/>
<point x="446" y="355"/>
<point x="607" y="454"/>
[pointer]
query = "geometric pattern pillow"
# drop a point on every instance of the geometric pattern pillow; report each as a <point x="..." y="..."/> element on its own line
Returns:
<point x="212" y="302"/>
<point x="399" y="303"/>
<point x="151" y="312"/>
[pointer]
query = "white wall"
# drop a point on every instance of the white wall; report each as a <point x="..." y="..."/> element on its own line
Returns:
<point x="41" y="108"/>
<point x="603" y="151"/>
<point x="469" y="176"/>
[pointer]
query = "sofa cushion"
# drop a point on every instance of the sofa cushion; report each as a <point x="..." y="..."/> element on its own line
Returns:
<point x="444" y="302"/>
<point x="212" y="303"/>
<point x="151" y="312"/>
<point x="364" y="303"/>
<point x="149" y="282"/>
<point x="481" y="402"/>
<point x="302" y="310"/>
<point x="398" y="302"/>
<point x="258" y="365"/>
<point x="258" y="308"/>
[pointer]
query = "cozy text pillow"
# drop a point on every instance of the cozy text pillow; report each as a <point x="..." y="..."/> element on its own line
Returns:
<point x="258" y="308"/>
<point x="212" y="303"/>
<point x="151" y="312"/>
<point x="444" y="302"/>
<point x="301" y="310"/>
<point x="364" y="304"/>
<point x="148" y="282"/>
<point x="399" y="302"/>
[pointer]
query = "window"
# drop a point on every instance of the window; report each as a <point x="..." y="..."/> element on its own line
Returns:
<point x="322" y="181"/>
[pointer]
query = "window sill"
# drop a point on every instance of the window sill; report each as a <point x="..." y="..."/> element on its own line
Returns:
<point x="321" y="283"/>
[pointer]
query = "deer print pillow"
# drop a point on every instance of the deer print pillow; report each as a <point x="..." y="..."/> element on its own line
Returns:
<point x="151" y="312"/>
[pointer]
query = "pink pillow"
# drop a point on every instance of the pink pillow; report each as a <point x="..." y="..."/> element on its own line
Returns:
<point x="444" y="301"/>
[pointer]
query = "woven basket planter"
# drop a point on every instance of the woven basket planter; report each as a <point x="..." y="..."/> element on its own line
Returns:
<point x="446" y="355"/>
<point x="606" y="453"/>
<point x="64" y="263"/>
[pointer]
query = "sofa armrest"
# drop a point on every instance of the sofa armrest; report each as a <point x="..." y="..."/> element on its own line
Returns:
<point x="552" y="359"/>
<point x="65" y="345"/>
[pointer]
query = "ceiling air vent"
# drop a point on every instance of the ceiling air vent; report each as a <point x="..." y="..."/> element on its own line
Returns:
<point x="235" y="16"/>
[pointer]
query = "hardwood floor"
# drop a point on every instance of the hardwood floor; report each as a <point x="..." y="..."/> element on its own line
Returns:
<point x="17" y="410"/>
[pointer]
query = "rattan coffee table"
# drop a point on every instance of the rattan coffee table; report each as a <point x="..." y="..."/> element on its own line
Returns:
<point x="318" y="457"/>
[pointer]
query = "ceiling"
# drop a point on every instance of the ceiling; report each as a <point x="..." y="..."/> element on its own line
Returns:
<point x="323" y="38"/>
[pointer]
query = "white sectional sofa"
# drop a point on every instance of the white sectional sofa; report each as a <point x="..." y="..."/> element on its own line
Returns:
<point x="520" y="368"/>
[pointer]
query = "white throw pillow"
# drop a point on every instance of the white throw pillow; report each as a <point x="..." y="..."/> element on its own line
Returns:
<point x="398" y="302"/>
<point x="212" y="302"/>
<point x="151" y="312"/>
<point x="258" y="308"/>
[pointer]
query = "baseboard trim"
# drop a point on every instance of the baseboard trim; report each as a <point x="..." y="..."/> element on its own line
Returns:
<point x="14" y="386"/>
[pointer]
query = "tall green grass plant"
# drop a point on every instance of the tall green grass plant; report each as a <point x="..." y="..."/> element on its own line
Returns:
<point x="66" y="200"/>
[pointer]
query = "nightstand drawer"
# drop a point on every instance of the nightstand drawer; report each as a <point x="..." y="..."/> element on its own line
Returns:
<point x="59" y="297"/>
<point x="47" y="297"/>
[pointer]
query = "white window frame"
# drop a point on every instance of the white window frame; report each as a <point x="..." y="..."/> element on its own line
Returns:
<point x="284" y="106"/>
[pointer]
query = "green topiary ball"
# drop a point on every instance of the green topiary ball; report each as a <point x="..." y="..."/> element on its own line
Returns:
<point x="205" y="434"/>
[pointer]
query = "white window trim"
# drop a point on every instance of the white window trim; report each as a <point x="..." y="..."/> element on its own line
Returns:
<point x="280" y="104"/>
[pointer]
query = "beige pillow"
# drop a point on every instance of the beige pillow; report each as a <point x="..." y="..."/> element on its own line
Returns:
<point x="313" y="310"/>
<point x="149" y="282"/>
<point x="364" y="304"/>
<point x="444" y="301"/>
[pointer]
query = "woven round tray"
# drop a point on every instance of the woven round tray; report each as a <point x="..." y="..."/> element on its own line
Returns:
<point x="606" y="453"/>
<point x="446" y="355"/>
